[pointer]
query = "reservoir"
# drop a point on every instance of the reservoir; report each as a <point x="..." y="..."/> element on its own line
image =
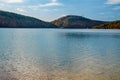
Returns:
<point x="59" y="54"/>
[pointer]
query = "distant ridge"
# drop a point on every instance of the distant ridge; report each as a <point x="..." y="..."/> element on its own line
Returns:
<point x="111" y="25"/>
<point x="13" y="20"/>
<point x="73" y="21"/>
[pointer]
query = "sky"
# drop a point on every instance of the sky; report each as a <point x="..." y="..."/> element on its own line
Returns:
<point x="48" y="10"/>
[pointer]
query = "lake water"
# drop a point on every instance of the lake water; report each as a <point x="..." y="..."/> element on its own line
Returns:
<point x="59" y="54"/>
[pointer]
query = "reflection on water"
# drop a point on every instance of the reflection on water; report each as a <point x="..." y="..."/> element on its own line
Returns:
<point x="31" y="54"/>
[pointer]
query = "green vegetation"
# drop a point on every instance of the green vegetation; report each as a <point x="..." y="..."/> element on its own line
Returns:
<point x="12" y="20"/>
<point x="112" y="25"/>
<point x="72" y="21"/>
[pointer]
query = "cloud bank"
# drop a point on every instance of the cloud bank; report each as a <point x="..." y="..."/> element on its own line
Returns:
<point x="11" y="1"/>
<point x="52" y="3"/>
<point x="113" y="2"/>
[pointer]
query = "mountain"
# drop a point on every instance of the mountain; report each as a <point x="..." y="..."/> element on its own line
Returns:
<point x="112" y="25"/>
<point x="13" y="20"/>
<point x="72" y="21"/>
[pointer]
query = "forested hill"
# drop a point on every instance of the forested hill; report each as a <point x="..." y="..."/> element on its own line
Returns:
<point x="111" y="25"/>
<point x="73" y="21"/>
<point x="13" y="20"/>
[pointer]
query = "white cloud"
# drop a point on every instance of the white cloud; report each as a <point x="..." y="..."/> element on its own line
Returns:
<point x="20" y="10"/>
<point x="54" y="0"/>
<point x="63" y="15"/>
<point x="49" y="10"/>
<point x="52" y="3"/>
<point x="1" y="5"/>
<point x="113" y="2"/>
<point x="12" y="1"/>
<point x="55" y="9"/>
<point x="46" y="10"/>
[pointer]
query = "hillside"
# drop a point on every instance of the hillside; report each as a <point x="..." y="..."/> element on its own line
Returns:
<point x="72" y="21"/>
<point x="112" y="25"/>
<point x="12" y="20"/>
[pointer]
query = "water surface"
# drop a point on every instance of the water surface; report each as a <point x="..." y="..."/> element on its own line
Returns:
<point x="59" y="54"/>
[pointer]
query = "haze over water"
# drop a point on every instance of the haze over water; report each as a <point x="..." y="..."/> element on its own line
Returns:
<point x="59" y="54"/>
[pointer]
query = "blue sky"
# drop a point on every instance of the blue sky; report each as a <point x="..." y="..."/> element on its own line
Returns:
<point x="49" y="10"/>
